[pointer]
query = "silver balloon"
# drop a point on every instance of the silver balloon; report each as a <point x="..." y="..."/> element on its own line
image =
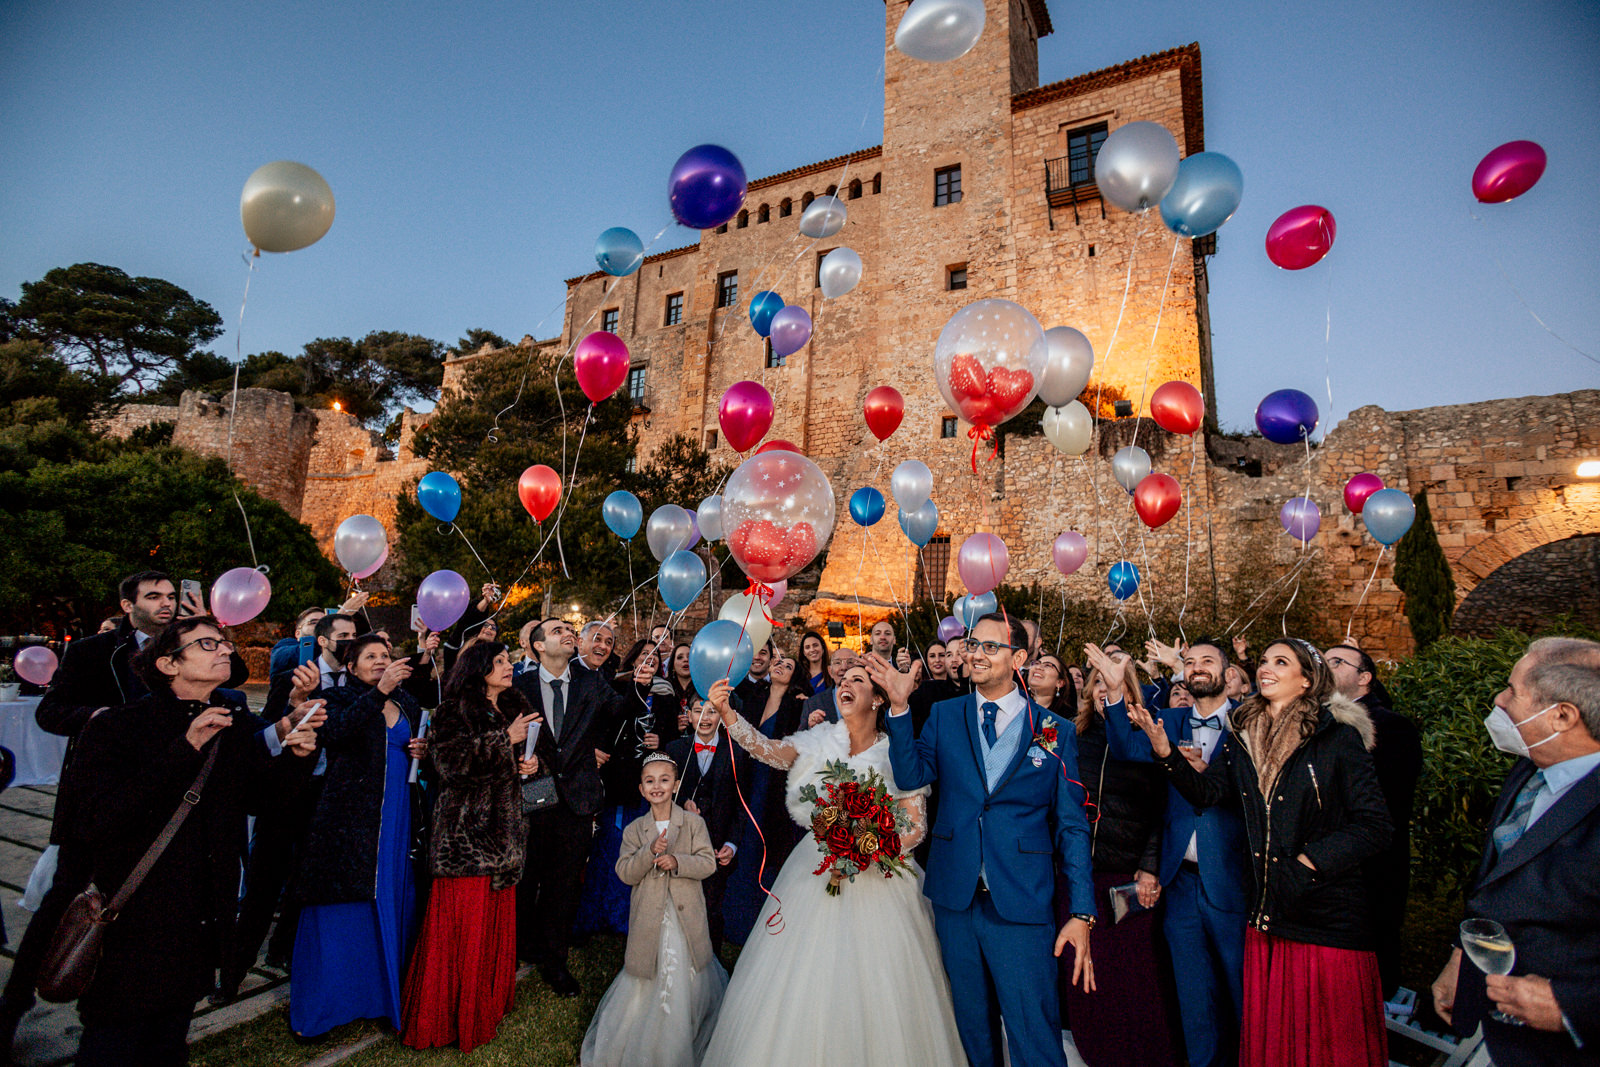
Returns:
<point x="823" y="217"/>
<point x="1130" y="465"/>
<point x="1067" y="365"/>
<point x="668" y="530"/>
<point x="359" y="542"/>
<point x="1136" y="166"/>
<point x="911" y="484"/>
<point x="709" y="518"/>
<point x="1069" y="428"/>
<point x="285" y="206"/>
<point x="840" y="272"/>
<point x="937" y="31"/>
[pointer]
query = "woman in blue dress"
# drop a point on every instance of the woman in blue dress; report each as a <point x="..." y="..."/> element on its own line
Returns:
<point x="355" y="879"/>
<point x="813" y="662"/>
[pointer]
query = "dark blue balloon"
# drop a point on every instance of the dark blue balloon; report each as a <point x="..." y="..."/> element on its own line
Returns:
<point x="439" y="496"/>
<point x="1123" y="578"/>
<point x="1286" y="416"/>
<point x="763" y="306"/>
<point x="706" y="187"/>
<point x="866" y="506"/>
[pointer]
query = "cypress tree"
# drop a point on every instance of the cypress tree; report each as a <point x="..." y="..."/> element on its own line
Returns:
<point x="1423" y="574"/>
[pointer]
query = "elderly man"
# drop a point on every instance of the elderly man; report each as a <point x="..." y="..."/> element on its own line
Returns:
<point x="1537" y="877"/>
<point x="595" y="642"/>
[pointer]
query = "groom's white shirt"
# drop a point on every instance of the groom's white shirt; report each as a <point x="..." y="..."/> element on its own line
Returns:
<point x="1011" y="705"/>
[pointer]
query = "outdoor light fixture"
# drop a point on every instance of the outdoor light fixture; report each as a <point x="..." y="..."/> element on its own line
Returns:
<point x="337" y="406"/>
<point x="1589" y="468"/>
<point x="1123" y="408"/>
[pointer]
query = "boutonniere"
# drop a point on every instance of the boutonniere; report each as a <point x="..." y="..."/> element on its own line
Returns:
<point x="1046" y="737"/>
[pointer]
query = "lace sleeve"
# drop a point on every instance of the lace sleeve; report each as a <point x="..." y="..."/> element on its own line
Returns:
<point x="779" y="754"/>
<point x="916" y="806"/>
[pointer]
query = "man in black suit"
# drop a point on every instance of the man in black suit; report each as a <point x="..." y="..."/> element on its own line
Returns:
<point x="707" y="786"/>
<point x="581" y="711"/>
<point x="1537" y="878"/>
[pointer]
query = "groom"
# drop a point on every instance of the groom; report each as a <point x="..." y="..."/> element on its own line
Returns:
<point x="1007" y="808"/>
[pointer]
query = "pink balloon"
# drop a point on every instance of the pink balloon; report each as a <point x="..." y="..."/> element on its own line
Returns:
<point x="1357" y="489"/>
<point x="383" y="557"/>
<point x="1508" y="172"/>
<point x="779" y="589"/>
<point x="601" y="365"/>
<point x="240" y="595"/>
<point x="982" y="562"/>
<point x="35" y="664"/>
<point x="1300" y="237"/>
<point x="1069" y="552"/>
<point x="745" y="415"/>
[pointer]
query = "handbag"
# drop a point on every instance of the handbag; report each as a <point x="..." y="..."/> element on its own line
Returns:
<point x="539" y="794"/>
<point x="74" y="952"/>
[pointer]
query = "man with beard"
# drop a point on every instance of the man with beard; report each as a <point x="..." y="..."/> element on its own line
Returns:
<point x="1202" y="875"/>
<point x="752" y="689"/>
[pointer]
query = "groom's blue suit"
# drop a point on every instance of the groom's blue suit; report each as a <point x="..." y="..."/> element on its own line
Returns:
<point x="998" y="942"/>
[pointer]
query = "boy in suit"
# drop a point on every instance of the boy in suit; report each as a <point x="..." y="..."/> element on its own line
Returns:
<point x="708" y="786"/>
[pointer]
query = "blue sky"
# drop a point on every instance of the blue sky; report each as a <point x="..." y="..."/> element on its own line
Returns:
<point x="476" y="150"/>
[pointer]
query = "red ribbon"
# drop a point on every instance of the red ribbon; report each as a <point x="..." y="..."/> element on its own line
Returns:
<point x="761" y="591"/>
<point x="981" y="433"/>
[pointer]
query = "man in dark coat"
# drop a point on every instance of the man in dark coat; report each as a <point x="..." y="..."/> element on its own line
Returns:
<point x="707" y="785"/>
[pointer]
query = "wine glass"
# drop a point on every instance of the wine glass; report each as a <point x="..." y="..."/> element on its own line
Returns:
<point x="1489" y="947"/>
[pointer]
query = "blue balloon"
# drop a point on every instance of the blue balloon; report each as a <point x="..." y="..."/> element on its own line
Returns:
<point x="706" y="187"/>
<point x="439" y="496"/>
<point x="866" y="506"/>
<point x="720" y="650"/>
<point x="1286" y="416"/>
<point x="683" y="576"/>
<point x="1204" y="196"/>
<point x="623" y="514"/>
<point x="920" y="525"/>
<point x="1391" y="518"/>
<point x="1123" y="578"/>
<point x="970" y="608"/>
<point x="619" y="251"/>
<point x="763" y="306"/>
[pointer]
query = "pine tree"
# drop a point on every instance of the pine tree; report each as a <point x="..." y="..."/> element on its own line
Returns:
<point x="1423" y="574"/>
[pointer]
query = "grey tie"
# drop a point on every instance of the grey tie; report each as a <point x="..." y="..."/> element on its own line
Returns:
<point x="558" y="707"/>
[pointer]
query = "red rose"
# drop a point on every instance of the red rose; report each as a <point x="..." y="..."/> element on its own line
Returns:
<point x="1048" y="734"/>
<point x="891" y="844"/>
<point x="857" y="806"/>
<point x="840" y="840"/>
<point x="886" y="821"/>
<point x="862" y="862"/>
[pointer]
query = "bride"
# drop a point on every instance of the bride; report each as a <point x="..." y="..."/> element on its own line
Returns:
<point x="853" y="978"/>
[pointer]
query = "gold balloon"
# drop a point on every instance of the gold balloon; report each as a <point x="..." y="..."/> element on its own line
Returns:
<point x="285" y="206"/>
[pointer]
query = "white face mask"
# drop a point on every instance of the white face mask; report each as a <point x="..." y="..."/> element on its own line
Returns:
<point x="1505" y="735"/>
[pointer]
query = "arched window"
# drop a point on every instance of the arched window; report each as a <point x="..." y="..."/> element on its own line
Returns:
<point x="877" y="184"/>
<point x="805" y="201"/>
<point x="744" y="219"/>
<point x="763" y="213"/>
<point x="855" y="189"/>
<point x="785" y="208"/>
<point x="833" y="190"/>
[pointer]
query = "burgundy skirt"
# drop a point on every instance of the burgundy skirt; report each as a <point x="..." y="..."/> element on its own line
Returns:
<point x="1310" y="1006"/>
<point x="463" y="975"/>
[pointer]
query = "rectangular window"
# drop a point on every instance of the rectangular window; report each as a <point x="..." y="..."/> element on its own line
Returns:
<point x="946" y="186"/>
<point x="947" y="428"/>
<point x="632" y="466"/>
<point x="1083" y="145"/>
<point x="932" y="563"/>
<point x="773" y="359"/>
<point x="727" y="289"/>
<point x="817" y="278"/>
<point x="956" y="277"/>
<point x="608" y="320"/>
<point x="711" y="440"/>
<point x="674" y="309"/>
<point x="636" y="384"/>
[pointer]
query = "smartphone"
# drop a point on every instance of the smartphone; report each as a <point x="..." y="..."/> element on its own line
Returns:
<point x="417" y="625"/>
<point x="189" y="588"/>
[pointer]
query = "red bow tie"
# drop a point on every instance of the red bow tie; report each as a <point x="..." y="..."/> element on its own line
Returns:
<point x="698" y="747"/>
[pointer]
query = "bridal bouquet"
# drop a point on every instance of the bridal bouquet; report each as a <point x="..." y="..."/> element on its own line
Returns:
<point x="857" y="823"/>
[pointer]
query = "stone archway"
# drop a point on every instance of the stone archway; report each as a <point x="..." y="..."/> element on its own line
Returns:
<point x="1560" y="578"/>
<point x="1489" y="555"/>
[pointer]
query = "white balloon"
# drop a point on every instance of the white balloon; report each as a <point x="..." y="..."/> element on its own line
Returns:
<point x="359" y="542"/>
<point x="911" y="484"/>
<point x="823" y="217"/>
<point x="285" y="206"/>
<point x="744" y="609"/>
<point x="709" y="518"/>
<point x="1069" y="428"/>
<point x="1130" y="466"/>
<point x="1136" y="165"/>
<point x="668" y="530"/>
<point x="840" y="272"/>
<point x="1067" y="365"/>
<point x="937" y="31"/>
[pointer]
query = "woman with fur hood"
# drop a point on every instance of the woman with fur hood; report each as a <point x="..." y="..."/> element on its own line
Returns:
<point x="1297" y="763"/>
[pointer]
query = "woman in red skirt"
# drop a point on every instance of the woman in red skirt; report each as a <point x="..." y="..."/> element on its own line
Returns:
<point x="463" y="973"/>
<point x="1296" y="761"/>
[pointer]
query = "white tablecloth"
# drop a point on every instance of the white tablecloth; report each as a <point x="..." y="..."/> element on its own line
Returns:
<point x="38" y="753"/>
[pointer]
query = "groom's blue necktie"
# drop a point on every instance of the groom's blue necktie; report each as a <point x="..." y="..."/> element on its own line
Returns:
<point x="990" y="709"/>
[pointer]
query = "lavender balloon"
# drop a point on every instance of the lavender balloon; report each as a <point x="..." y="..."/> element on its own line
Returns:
<point x="791" y="329"/>
<point x="1301" y="517"/>
<point x="35" y="664"/>
<point x="694" y="529"/>
<point x="239" y="595"/>
<point x="706" y="187"/>
<point x="1286" y="416"/>
<point x="950" y="628"/>
<point x="1069" y="552"/>
<point x="983" y="562"/>
<point x="442" y="599"/>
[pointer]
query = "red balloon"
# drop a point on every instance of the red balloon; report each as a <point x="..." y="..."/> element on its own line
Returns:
<point x="1358" y="488"/>
<point x="601" y="364"/>
<point x="778" y="444"/>
<point x="1157" y="499"/>
<point x="1300" y="237"/>
<point x="1177" y="407"/>
<point x="745" y="414"/>
<point x="1508" y="172"/>
<point x="539" y="489"/>
<point x="885" y="407"/>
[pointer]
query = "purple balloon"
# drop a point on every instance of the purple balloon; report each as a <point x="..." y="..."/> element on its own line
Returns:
<point x="35" y="664"/>
<point x="791" y="329"/>
<point x="706" y="188"/>
<point x="442" y="599"/>
<point x="240" y="595"/>
<point x="1069" y="551"/>
<point x="982" y="562"/>
<point x="694" y="529"/>
<point x="1286" y="416"/>
<point x="1301" y="517"/>
<point x="950" y="628"/>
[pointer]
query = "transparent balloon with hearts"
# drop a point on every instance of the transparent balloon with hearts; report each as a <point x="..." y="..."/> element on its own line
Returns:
<point x="777" y="514"/>
<point x="989" y="361"/>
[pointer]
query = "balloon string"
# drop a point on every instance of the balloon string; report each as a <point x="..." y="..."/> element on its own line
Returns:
<point x="1327" y="348"/>
<point x="571" y="480"/>
<point x="873" y="541"/>
<point x="627" y="547"/>
<point x="774" y="921"/>
<point x="1150" y="354"/>
<point x="1188" y="536"/>
<point x="1300" y="565"/>
<point x="233" y="408"/>
<point x="1357" y="610"/>
<point x="979" y="434"/>
<point x="861" y="562"/>
<point x="474" y="551"/>
<point x="1525" y="306"/>
<point x="1127" y="285"/>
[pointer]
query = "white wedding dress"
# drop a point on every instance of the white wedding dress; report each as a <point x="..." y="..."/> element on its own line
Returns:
<point x="855" y="978"/>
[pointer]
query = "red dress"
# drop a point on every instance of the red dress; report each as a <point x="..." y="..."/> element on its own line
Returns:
<point x="463" y="973"/>
<point x="1310" y="1006"/>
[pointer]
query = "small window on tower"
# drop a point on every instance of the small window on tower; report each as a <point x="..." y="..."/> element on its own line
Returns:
<point x="674" y="309"/>
<point x="947" y="186"/>
<point x="711" y="440"/>
<point x="727" y="289"/>
<point x="608" y="320"/>
<point x="947" y="428"/>
<point x="956" y="277"/>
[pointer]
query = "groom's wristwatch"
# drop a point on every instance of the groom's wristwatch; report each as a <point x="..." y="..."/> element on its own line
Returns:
<point x="1089" y="920"/>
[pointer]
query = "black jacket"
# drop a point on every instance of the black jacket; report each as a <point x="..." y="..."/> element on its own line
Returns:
<point x="339" y="861"/>
<point x="1326" y="803"/>
<point x="714" y="793"/>
<point x="1129" y="799"/>
<point x="592" y="711"/>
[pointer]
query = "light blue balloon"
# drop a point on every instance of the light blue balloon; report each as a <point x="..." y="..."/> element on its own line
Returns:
<point x="1204" y="196"/>
<point x="1392" y="516"/>
<point x="683" y="576"/>
<point x="866" y="506"/>
<point x="619" y="251"/>
<point x="970" y="608"/>
<point x="920" y="525"/>
<point x="623" y="514"/>
<point x="763" y="306"/>
<point x="720" y="650"/>
<point x="440" y="496"/>
<point x="1123" y="578"/>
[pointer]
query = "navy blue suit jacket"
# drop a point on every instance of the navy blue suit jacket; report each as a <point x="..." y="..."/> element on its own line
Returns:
<point x="1015" y="833"/>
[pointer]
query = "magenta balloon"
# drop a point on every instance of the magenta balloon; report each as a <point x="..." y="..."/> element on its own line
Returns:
<point x="1508" y="172"/>
<point x="600" y="363"/>
<point x="1069" y="552"/>
<point x="745" y="415"/>
<point x="383" y="557"/>
<point x="950" y="628"/>
<point x="240" y="595"/>
<point x="982" y="562"/>
<point x="1357" y="489"/>
<point x="1300" y="237"/>
<point x="35" y="664"/>
<point x="442" y="599"/>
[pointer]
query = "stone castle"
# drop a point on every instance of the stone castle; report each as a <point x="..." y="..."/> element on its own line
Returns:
<point x="983" y="188"/>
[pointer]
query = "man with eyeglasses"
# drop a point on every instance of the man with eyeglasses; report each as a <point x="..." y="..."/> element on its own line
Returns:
<point x="1397" y="758"/>
<point x="1010" y="816"/>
